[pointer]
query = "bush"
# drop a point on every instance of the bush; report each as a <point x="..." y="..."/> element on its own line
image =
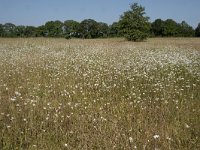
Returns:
<point x="67" y="36"/>
<point x="136" y="35"/>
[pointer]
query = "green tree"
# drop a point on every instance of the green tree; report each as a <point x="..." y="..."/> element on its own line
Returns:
<point x="88" y="29"/>
<point x="20" y="31"/>
<point x="54" y="28"/>
<point x="197" y="31"/>
<point x="103" y="30"/>
<point x="134" y="25"/>
<point x="9" y="30"/>
<point x="30" y="31"/>
<point x="186" y="30"/>
<point x="70" y="28"/>
<point x="114" y="30"/>
<point x="170" y="28"/>
<point x="41" y="31"/>
<point x="157" y="27"/>
<point x="1" y="30"/>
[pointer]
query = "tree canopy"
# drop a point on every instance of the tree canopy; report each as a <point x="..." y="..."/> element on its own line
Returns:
<point x="197" y="31"/>
<point x="133" y="24"/>
<point x="88" y="29"/>
<point x="170" y="28"/>
<point x="70" y="28"/>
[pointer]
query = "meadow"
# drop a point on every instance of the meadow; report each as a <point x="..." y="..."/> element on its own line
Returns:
<point x="58" y="94"/>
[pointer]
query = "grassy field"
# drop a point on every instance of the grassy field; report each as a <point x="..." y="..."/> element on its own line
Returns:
<point x="99" y="94"/>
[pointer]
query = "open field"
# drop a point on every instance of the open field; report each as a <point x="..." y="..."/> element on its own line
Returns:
<point x="99" y="94"/>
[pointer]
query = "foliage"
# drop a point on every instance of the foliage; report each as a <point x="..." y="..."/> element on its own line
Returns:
<point x="185" y="30"/>
<point x="71" y="28"/>
<point x="88" y="29"/>
<point x="170" y="28"/>
<point x="9" y="30"/>
<point x="114" y="30"/>
<point x="134" y="25"/>
<point x="54" y="28"/>
<point x="41" y="31"/>
<point x="20" y="31"/>
<point x="157" y="27"/>
<point x="30" y="31"/>
<point x="103" y="30"/>
<point x="197" y="31"/>
<point x="1" y="30"/>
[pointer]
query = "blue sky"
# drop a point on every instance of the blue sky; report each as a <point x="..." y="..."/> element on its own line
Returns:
<point x="37" y="12"/>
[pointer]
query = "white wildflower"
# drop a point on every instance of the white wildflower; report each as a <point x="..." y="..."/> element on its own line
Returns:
<point x="17" y="93"/>
<point x="156" y="136"/>
<point x="130" y="139"/>
<point x="186" y="125"/>
<point x="13" y="99"/>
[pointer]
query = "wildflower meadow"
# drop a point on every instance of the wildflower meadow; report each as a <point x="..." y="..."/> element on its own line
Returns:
<point x="99" y="94"/>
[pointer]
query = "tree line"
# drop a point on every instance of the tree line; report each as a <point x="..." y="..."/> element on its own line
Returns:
<point x="133" y="25"/>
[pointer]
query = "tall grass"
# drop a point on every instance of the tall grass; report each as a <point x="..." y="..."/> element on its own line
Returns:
<point x="99" y="94"/>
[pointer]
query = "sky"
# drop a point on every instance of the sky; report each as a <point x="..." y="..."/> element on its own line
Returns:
<point x="37" y="12"/>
